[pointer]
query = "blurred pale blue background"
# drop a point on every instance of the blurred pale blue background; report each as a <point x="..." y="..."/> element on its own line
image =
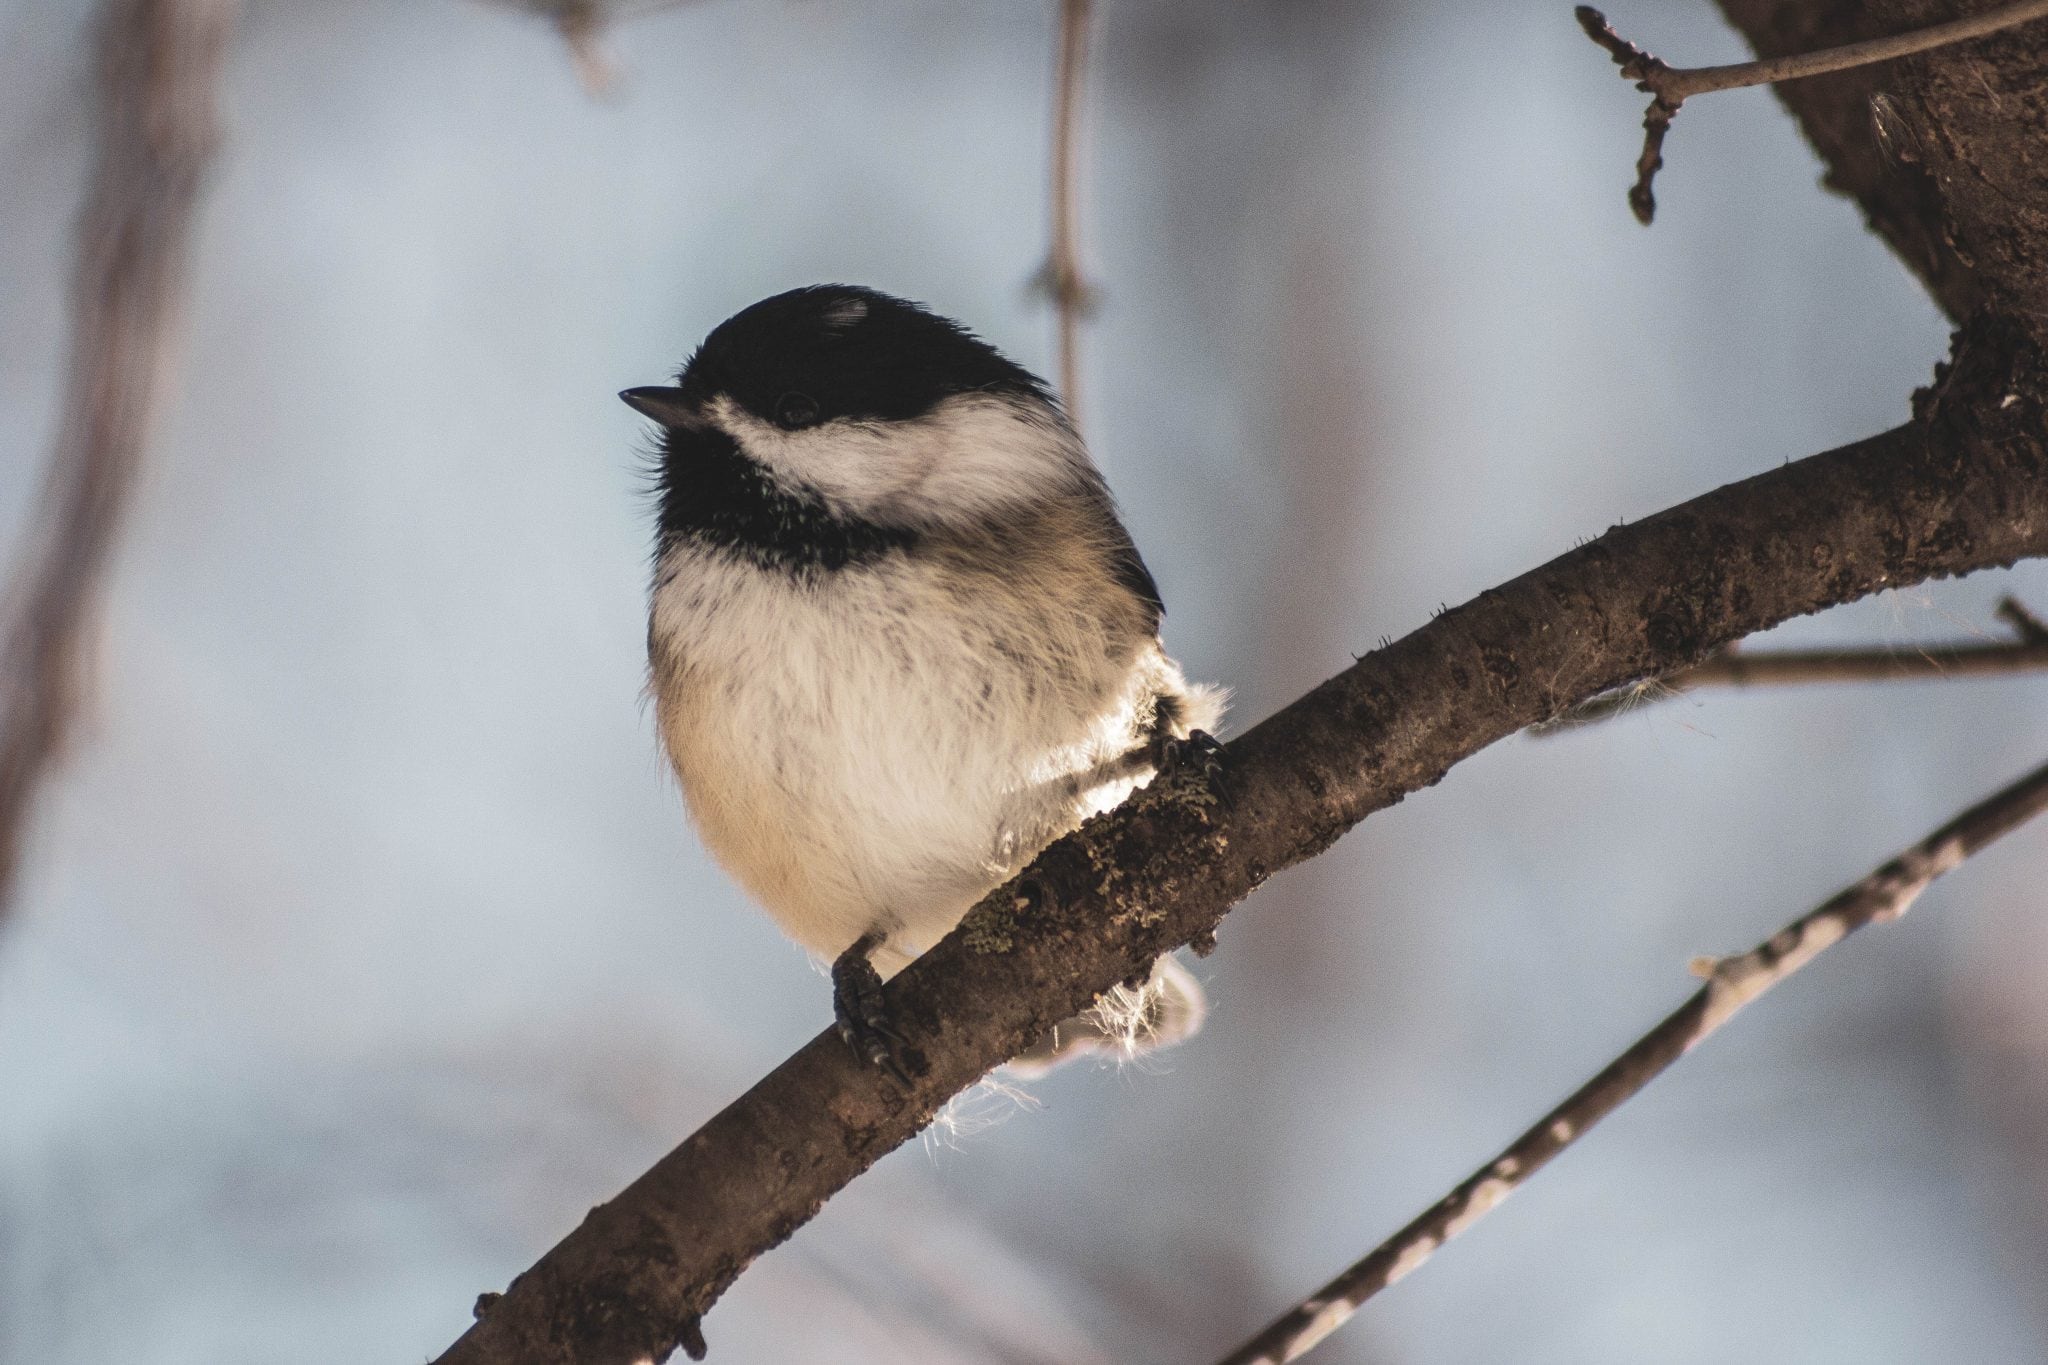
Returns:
<point x="364" y="944"/>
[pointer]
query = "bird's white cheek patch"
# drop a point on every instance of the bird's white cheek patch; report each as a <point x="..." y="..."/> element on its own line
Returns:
<point x="972" y="454"/>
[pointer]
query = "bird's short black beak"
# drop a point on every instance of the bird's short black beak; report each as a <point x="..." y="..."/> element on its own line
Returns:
<point x="666" y="406"/>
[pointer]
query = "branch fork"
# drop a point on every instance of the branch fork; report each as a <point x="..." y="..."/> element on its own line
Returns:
<point x="1671" y="86"/>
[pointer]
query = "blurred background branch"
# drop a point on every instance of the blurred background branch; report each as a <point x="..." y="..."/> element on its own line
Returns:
<point x="159" y="63"/>
<point x="585" y="27"/>
<point x="1732" y="983"/>
<point x="1062" y="277"/>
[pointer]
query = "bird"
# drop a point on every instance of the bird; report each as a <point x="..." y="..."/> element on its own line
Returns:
<point x="899" y="640"/>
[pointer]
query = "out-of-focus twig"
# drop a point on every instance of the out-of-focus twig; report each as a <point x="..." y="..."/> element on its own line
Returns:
<point x="159" y="65"/>
<point x="1734" y="668"/>
<point x="1062" y="277"/>
<point x="583" y="25"/>
<point x="1732" y="982"/>
<point x="1671" y="86"/>
<point x="2031" y="629"/>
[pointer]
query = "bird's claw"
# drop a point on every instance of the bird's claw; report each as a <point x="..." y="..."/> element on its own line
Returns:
<point x="1202" y="755"/>
<point x="862" y="1018"/>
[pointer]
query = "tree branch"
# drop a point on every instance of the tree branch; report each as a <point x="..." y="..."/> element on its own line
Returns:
<point x="159" y="62"/>
<point x="1672" y="86"/>
<point x="1963" y="487"/>
<point x="1736" y="667"/>
<point x="1675" y="85"/>
<point x="1732" y="982"/>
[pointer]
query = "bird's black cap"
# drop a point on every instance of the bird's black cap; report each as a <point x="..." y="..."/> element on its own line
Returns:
<point x="836" y="350"/>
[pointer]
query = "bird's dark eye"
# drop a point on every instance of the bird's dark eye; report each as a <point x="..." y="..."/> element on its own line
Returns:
<point x="795" y="411"/>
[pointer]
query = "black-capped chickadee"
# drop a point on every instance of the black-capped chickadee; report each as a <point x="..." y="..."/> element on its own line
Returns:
<point x="899" y="640"/>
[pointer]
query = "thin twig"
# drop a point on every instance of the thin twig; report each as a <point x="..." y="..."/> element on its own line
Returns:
<point x="159" y="63"/>
<point x="1734" y="667"/>
<point x="1679" y="84"/>
<point x="1061" y="277"/>
<point x="1732" y="982"/>
<point x="1671" y="86"/>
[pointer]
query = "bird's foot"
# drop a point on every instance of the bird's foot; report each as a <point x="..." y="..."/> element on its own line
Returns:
<point x="862" y="1017"/>
<point x="1202" y="756"/>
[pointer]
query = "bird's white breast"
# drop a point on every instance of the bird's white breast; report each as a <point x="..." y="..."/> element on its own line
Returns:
<point x="874" y="748"/>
